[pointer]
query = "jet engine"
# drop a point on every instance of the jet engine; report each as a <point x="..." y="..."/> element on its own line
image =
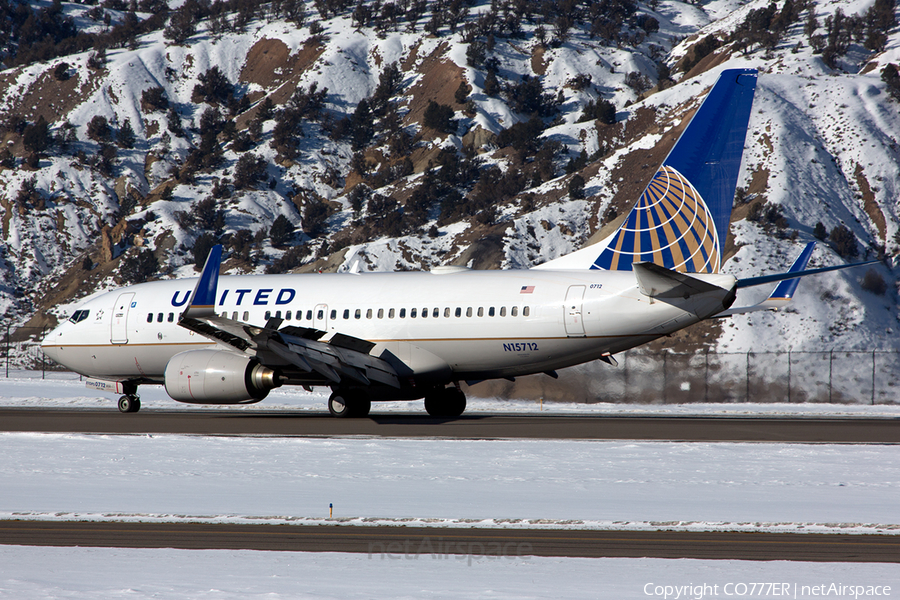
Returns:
<point x="218" y="377"/>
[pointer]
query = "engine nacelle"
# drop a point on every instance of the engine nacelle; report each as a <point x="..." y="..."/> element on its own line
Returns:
<point x="218" y="377"/>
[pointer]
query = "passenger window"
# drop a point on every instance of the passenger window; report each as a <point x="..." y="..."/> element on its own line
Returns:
<point x="171" y="318"/>
<point x="514" y="311"/>
<point x="491" y="311"/>
<point x="391" y="314"/>
<point x="369" y="314"/>
<point x="159" y="318"/>
<point x="447" y="312"/>
<point x="412" y="313"/>
<point x="525" y="311"/>
<point x="502" y="311"/>
<point x="268" y="315"/>
<point x="234" y="316"/>
<point x="458" y="311"/>
<point x="321" y="314"/>
<point x="346" y="313"/>
<point x="149" y="317"/>
<point x="357" y="314"/>
<point x="380" y="313"/>
<point x="469" y="312"/>
<point x="334" y="313"/>
<point x="436" y="313"/>
<point x="402" y="313"/>
<point x="277" y="314"/>
<point x="246" y="316"/>
<point x="424" y="313"/>
<point x="480" y="311"/>
<point x="287" y="316"/>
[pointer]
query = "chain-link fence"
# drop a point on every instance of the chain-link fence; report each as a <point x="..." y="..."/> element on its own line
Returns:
<point x="838" y="376"/>
<point x="848" y="377"/>
<point x="21" y="349"/>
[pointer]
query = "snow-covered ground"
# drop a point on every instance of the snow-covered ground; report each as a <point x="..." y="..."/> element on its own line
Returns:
<point x="66" y="390"/>
<point x="90" y="573"/>
<point x="427" y="482"/>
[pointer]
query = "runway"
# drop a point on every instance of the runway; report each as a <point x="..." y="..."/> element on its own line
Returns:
<point x="884" y="430"/>
<point x="392" y="542"/>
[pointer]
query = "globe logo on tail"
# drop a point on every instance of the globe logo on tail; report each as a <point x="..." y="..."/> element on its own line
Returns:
<point x="670" y="226"/>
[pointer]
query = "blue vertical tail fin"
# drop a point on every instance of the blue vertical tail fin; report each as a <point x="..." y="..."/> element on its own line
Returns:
<point x="681" y="220"/>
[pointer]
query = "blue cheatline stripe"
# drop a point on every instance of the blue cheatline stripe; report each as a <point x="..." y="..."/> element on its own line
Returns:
<point x="205" y="292"/>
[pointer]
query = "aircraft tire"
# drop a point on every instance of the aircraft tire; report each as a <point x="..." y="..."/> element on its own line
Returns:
<point x="447" y="402"/>
<point x="349" y="404"/>
<point x="129" y="404"/>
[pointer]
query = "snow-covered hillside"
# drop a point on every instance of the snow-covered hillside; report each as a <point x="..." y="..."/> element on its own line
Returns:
<point x="76" y="215"/>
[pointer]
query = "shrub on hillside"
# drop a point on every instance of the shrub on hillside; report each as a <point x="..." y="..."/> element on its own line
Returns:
<point x="98" y="129"/>
<point x="844" y="242"/>
<point x="281" y="231"/>
<point x="139" y="266"/>
<point x="154" y="99"/>
<point x="873" y="282"/>
<point x="250" y="170"/>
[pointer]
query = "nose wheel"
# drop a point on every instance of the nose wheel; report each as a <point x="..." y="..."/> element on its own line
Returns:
<point x="129" y="404"/>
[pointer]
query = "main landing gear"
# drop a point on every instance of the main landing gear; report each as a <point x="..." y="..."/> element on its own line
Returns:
<point x="445" y="402"/>
<point x="349" y="403"/>
<point x="129" y="403"/>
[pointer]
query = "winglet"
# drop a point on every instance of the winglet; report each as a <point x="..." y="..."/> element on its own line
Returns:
<point x="203" y="300"/>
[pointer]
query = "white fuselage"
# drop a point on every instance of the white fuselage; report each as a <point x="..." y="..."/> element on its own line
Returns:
<point x="483" y="324"/>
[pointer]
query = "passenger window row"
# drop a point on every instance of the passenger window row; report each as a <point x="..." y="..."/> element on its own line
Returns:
<point x="357" y="313"/>
<point x="401" y="313"/>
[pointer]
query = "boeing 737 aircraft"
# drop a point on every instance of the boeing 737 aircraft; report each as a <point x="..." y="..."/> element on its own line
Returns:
<point x="389" y="336"/>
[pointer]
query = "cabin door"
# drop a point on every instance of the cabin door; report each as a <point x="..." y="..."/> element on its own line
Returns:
<point x="572" y="311"/>
<point x="119" y="329"/>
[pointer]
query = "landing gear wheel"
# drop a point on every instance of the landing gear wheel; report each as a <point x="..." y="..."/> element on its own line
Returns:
<point x="346" y="404"/>
<point x="446" y="402"/>
<point x="129" y="404"/>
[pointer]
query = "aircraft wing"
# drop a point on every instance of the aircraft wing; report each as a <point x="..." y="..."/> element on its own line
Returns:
<point x="340" y="359"/>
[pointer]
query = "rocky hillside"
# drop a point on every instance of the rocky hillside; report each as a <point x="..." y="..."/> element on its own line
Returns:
<point x="315" y="135"/>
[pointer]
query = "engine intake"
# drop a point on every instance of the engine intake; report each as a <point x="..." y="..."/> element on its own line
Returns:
<point x="218" y="377"/>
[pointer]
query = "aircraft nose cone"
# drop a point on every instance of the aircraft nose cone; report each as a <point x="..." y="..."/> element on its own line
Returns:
<point x="50" y="344"/>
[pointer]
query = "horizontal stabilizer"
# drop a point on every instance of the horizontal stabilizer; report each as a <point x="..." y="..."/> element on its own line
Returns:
<point x="788" y="282"/>
<point x="659" y="282"/>
<point x="753" y="281"/>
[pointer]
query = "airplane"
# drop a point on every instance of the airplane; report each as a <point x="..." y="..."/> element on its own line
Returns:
<point x="411" y="335"/>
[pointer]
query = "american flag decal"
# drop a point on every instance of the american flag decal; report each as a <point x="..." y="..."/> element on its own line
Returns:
<point x="527" y="289"/>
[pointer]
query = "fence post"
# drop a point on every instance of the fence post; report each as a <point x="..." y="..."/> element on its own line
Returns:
<point x="7" y="350"/>
<point x="665" y="397"/>
<point x="706" y="379"/>
<point x="830" y="371"/>
<point x="789" y="375"/>
<point x="43" y="356"/>
<point x="873" y="377"/>
<point x="747" y="395"/>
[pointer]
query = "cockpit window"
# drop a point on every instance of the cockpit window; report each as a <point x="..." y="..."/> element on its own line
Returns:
<point x="79" y="316"/>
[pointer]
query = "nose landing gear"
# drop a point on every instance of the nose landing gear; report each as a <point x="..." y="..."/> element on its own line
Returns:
<point x="129" y="403"/>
